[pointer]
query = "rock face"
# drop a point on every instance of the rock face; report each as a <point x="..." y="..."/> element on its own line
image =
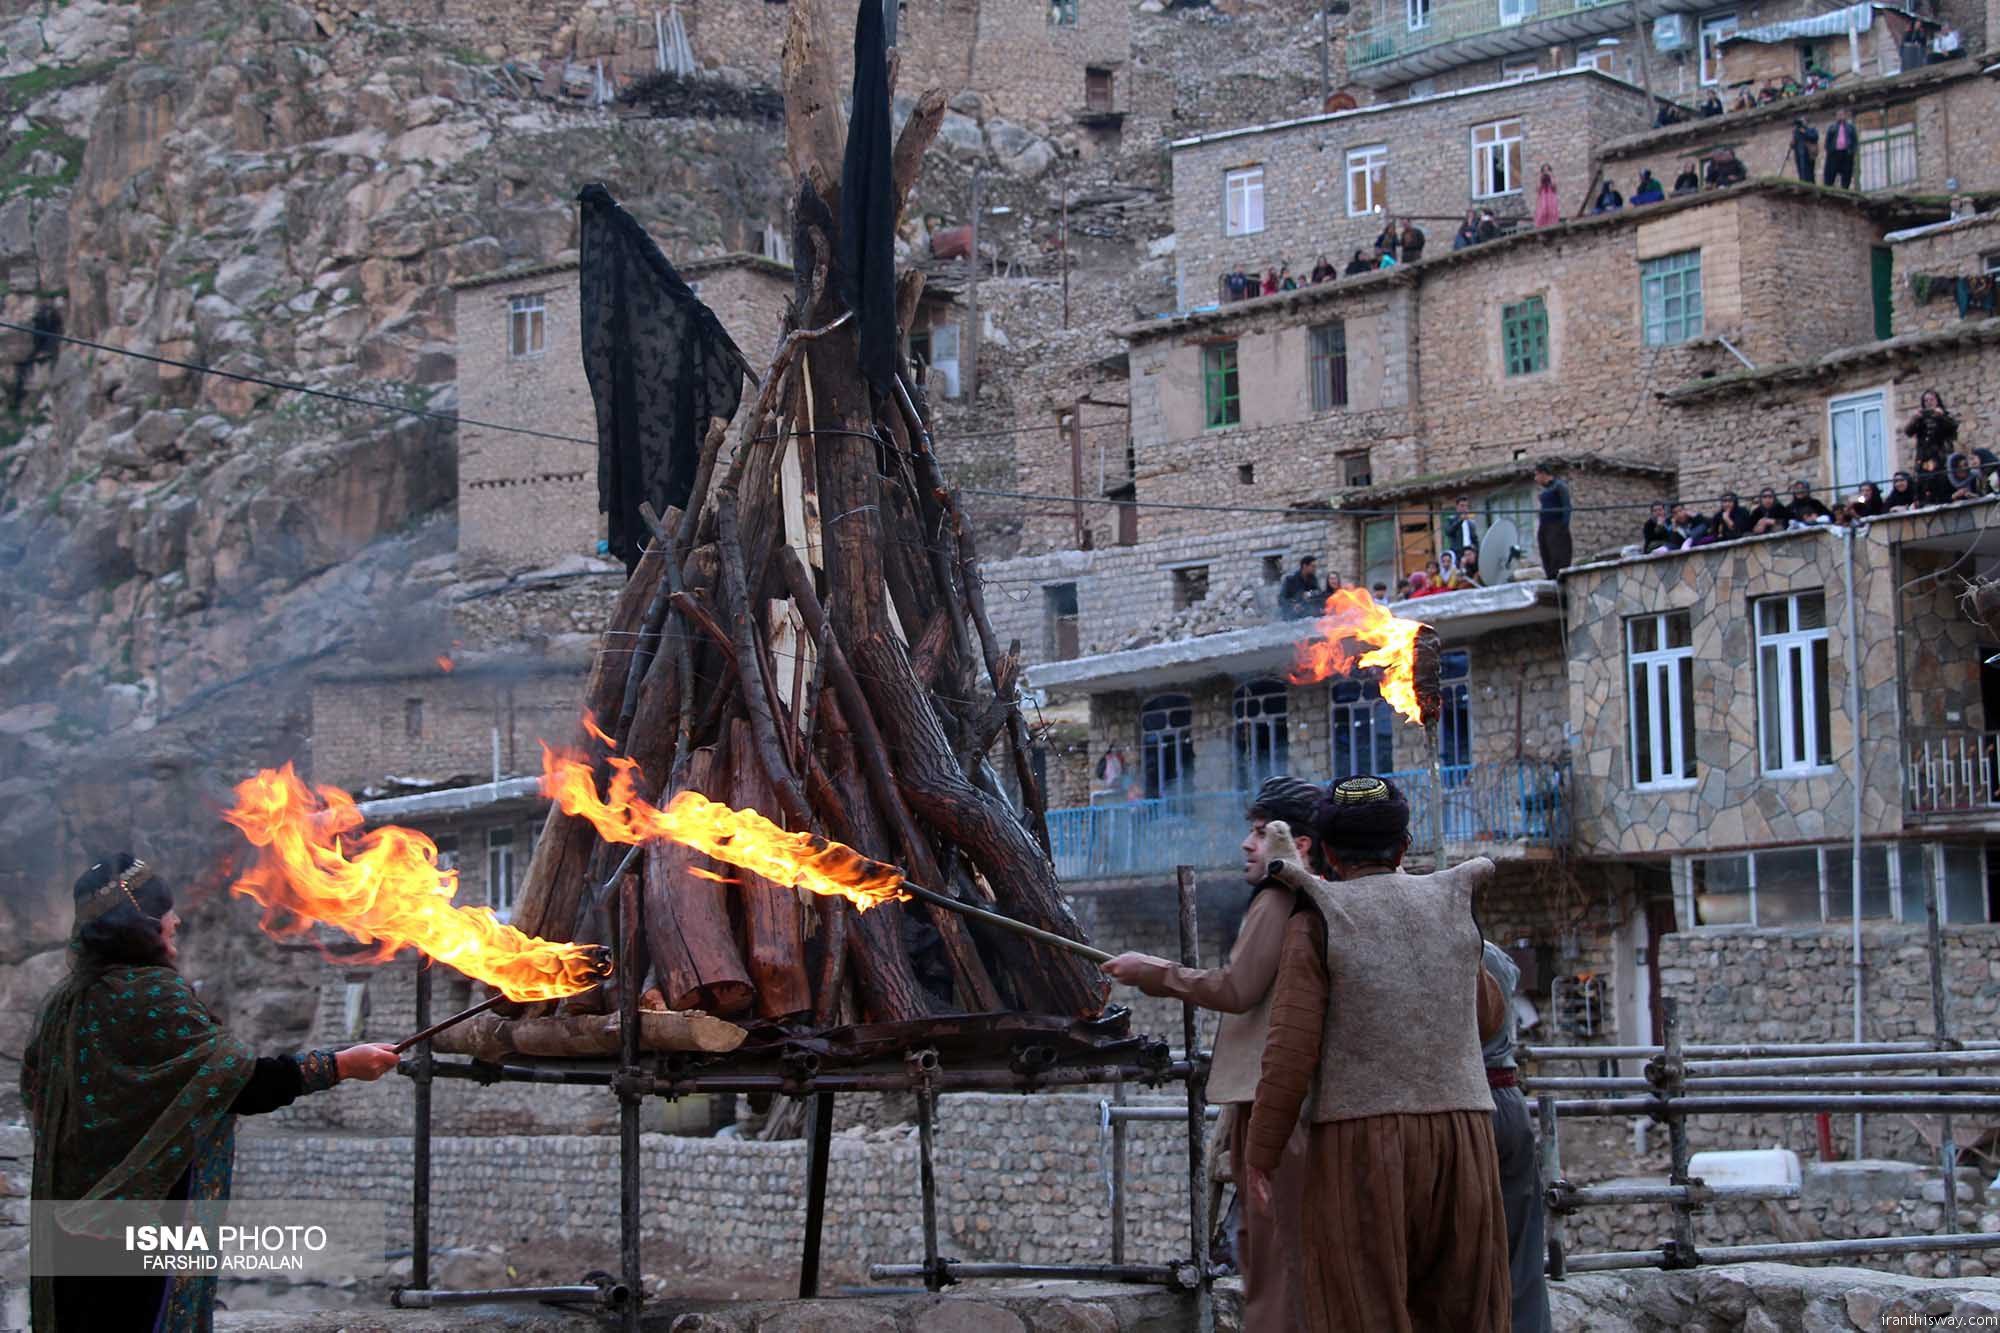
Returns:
<point x="1766" y="1298"/>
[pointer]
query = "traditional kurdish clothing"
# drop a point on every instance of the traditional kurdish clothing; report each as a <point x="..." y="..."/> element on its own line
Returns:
<point x="1375" y="1032"/>
<point x="1520" y="1163"/>
<point x="133" y="1088"/>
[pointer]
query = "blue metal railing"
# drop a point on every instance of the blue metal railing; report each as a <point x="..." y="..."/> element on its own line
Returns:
<point x="1516" y="801"/>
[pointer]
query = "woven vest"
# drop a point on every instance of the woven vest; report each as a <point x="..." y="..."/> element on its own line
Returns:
<point x="1402" y="1027"/>
<point x="1239" y="1054"/>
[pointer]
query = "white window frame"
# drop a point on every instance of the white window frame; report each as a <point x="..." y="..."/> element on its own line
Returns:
<point x="1369" y="165"/>
<point x="1243" y="200"/>
<point x="527" y="327"/>
<point x="1501" y="136"/>
<point x="1417" y="14"/>
<point x="1716" y="26"/>
<point x="500" y="886"/>
<point x="1514" y="12"/>
<point x="1519" y="68"/>
<point x="1666" y="728"/>
<point x="944" y="357"/>
<point x="1799" y="741"/>
<point x="1907" y="900"/>
<point x="1857" y="407"/>
<point x="1877" y="152"/>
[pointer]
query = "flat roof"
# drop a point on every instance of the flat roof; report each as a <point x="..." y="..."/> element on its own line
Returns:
<point x="1967" y="333"/>
<point x="692" y="268"/>
<point x="1509" y="469"/>
<point x="1875" y="205"/>
<point x="1379" y="108"/>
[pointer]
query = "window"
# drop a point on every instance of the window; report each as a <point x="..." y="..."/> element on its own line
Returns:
<point x="1418" y="13"/>
<point x="1263" y="738"/>
<point x="1219" y="386"/>
<point x="1670" y="288"/>
<point x="1059" y="621"/>
<point x="1805" y="886"/>
<point x="1166" y="745"/>
<point x="1243" y="201"/>
<point x="1190" y="585"/>
<point x="1516" y="11"/>
<point x="527" y="326"/>
<point x="1246" y="474"/>
<point x="1356" y="470"/>
<point x="1524" y="336"/>
<point x="1097" y="86"/>
<point x="1513" y="71"/>
<point x="1602" y="57"/>
<point x="1517" y="504"/>
<point x="1328" y="349"/>
<point x="1860" y="448"/>
<point x="500" y="872"/>
<point x="447" y="850"/>
<point x="1062" y="13"/>
<point x="1888" y="148"/>
<point x="1455" y="722"/>
<point x="1496" y="158"/>
<point x="413" y="719"/>
<point x="1272" y="566"/>
<point x="1367" y="179"/>
<point x="1792" y="694"/>
<point x="1660" y="659"/>
<point x="944" y="359"/>
<point x="1363" y="728"/>
<point x="1992" y="264"/>
<point x="1378" y="556"/>
<point x="1713" y="30"/>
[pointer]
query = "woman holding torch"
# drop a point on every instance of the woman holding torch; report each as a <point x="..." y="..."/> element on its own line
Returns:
<point x="133" y="1089"/>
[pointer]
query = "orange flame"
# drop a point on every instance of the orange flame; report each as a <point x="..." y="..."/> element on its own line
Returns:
<point x="590" y="725"/>
<point x="701" y="873"/>
<point x="385" y="887"/>
<point x="742" y="838"/>
<point x="1351" y="616"/>
<point x="445" y="664"/>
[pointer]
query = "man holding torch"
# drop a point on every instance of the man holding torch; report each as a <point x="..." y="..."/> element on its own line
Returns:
<point x="1267" y="1234"/>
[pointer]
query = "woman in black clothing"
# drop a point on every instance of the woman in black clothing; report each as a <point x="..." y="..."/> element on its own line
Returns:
<point x="1608" y="199"/>
<point x="1961" y="473"/>
<point x="1659" y="534"/>
<point x="1768" y="515"/>
<point x="1731" y="521"/>
<point x="1688" y="182"/>
<point x="1902" y="493"/>
<point x="1867" y="503"/>
<point x="1806" y="507"/>
<point x="1323" y="269"/>
<point x="1359" y="264"/>
<point x="1933" y="428"/>
<point x="1390" y="241"/>
<point x="1932" y="488"/>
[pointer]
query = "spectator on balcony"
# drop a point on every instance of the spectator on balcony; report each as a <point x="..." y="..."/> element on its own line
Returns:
<point x="1694" y="529"/>
<point x="1468" y="565"/>
<point x="1237" y="286"/>
<point x="1932" y="488"/>
<point x="1710" y="105"/>
<point x="1468" y="231"/>
<point x="1552" y="538"/>
<point x="1805" y="148"/>
<point x="1725" y="169"/>
<point x="1361" y="263"/>
<point x="1267" y="1236"/>
<point x="1461" y="529"/>
<point x="1806" y="507"/>
<point x="1489" y="226"/>
<point x="1866" y="502"/>
<point x="1688" y="182"/>
<point x="1548" y="202"/>
<point x="1902" y="493"/>
<point x="1934" y="429"/>
<point x="1413" y="239"/>
<point x="1961" y="472"/>
<point x="1299" y="594"/>
<point x="1378" y="1015"/>
<point x="1841" y="140"/>
<point x="1648" y="190"/>
<point x="1659" y="533"/>
<point x="1608" y="199"/>
<point x="1286" y="282"/>
<point x="1389" y="241"/>
<point x="1323" y="270"/>
<point x="1732" y="521"/>
<point x="1270" y="282"/>
<point x="1768" y="514"/>
<point x="1947" y="44"/>
<point x="1385" y="260"/>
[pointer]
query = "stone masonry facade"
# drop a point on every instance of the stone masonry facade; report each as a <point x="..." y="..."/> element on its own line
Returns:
<point x="1429" y="173"/>
<point x="1966" y="248"/>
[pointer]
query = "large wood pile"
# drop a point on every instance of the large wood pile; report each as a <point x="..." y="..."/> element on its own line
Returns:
<point x="812" y="641"/>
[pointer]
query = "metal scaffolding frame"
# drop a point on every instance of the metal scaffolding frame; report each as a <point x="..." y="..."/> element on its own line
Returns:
<point x="921" y="1072"/>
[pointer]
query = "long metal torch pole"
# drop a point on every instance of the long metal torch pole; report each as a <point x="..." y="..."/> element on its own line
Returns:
<point x="1437" y="796"/>
<point x="995" y="919"/>
<point x="457" y="1018"/>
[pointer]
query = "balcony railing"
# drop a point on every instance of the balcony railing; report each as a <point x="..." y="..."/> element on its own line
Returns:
<point x="1953" y="773"/>
<point x="1400" y="30"/>
<point x="1484" y="805"/>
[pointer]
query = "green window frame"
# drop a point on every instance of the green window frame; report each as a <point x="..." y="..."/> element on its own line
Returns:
<point x="1670" y="291"/>
<point x="1524" y="333"/>
<point x="1220" y="386"/>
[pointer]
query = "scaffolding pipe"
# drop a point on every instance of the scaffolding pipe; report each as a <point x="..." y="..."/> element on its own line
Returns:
<point x="633" y="969"/>
<point x="422" y="1071"/>
<point x="1845" y="1064"/>
<point x="1594" y="1196"/>
<point x="1855" y="781"/>
<point x="1783" y="1252"/>
<point x="1545" y="1111"/>
<point x="1117" y="1114"/>
<point x="1798" y="1083"/>
<point x="800" y="1085"/>
<point x="1116" y="1124"/>
<point x="1197" y="1126"/>
<point x="1941" y="1033"/>
<point x="1756" y="1050"/>
<point x="1165" y="1275"/>
<point x="1750" y="1104"/>
<point x="614" y="1295"/>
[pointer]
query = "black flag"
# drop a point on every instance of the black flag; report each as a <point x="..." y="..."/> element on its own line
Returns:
<point x="660" y="365"/>
<point x="868" y="204"/>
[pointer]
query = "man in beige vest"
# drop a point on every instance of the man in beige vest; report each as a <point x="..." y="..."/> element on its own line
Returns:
<point x="1375" y="1031"/>
<point x="1267" y="1250"/>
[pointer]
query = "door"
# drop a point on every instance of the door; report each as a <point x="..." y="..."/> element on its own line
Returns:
<point x="1882" y="274"/>
<point x="1660" y="923"/>
<point x="1860" y="451"/>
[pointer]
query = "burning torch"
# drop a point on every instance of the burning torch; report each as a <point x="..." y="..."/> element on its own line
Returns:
<point x="1426" y="667"/>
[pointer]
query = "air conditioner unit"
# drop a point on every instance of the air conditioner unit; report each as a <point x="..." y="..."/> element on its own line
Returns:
<point x="1672" y="32"/>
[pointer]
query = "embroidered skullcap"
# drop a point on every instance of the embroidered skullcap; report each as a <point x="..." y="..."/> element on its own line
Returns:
<point x="1362" y="811"/>
<point x="1289" y="799"/>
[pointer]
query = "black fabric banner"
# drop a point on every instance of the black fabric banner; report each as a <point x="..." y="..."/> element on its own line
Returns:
<point x="660" y="365"/>
<point x="868" y="204"/>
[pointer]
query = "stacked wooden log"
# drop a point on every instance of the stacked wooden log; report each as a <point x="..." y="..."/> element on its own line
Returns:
<point x="810" y="639"/>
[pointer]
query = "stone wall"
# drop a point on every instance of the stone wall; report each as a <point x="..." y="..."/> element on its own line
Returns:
<point x="1965" y="248"/>
<point x="1429" y="172"/>
<point x="433" y="725"/>
<point x="1954" y="110"/>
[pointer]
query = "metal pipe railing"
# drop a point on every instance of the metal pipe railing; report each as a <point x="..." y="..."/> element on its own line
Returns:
<point x="1779" y="1253"/>
<point x="1678" y="1108"/>
<point x="1846" y="1064"/>
<point x="1786" y="1083"/>
<point x="1596" y="1196"/>
<point x="1754" y="1050"/>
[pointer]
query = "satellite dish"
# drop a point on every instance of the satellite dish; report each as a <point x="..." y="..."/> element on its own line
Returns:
<point x="1499" y="549"/>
